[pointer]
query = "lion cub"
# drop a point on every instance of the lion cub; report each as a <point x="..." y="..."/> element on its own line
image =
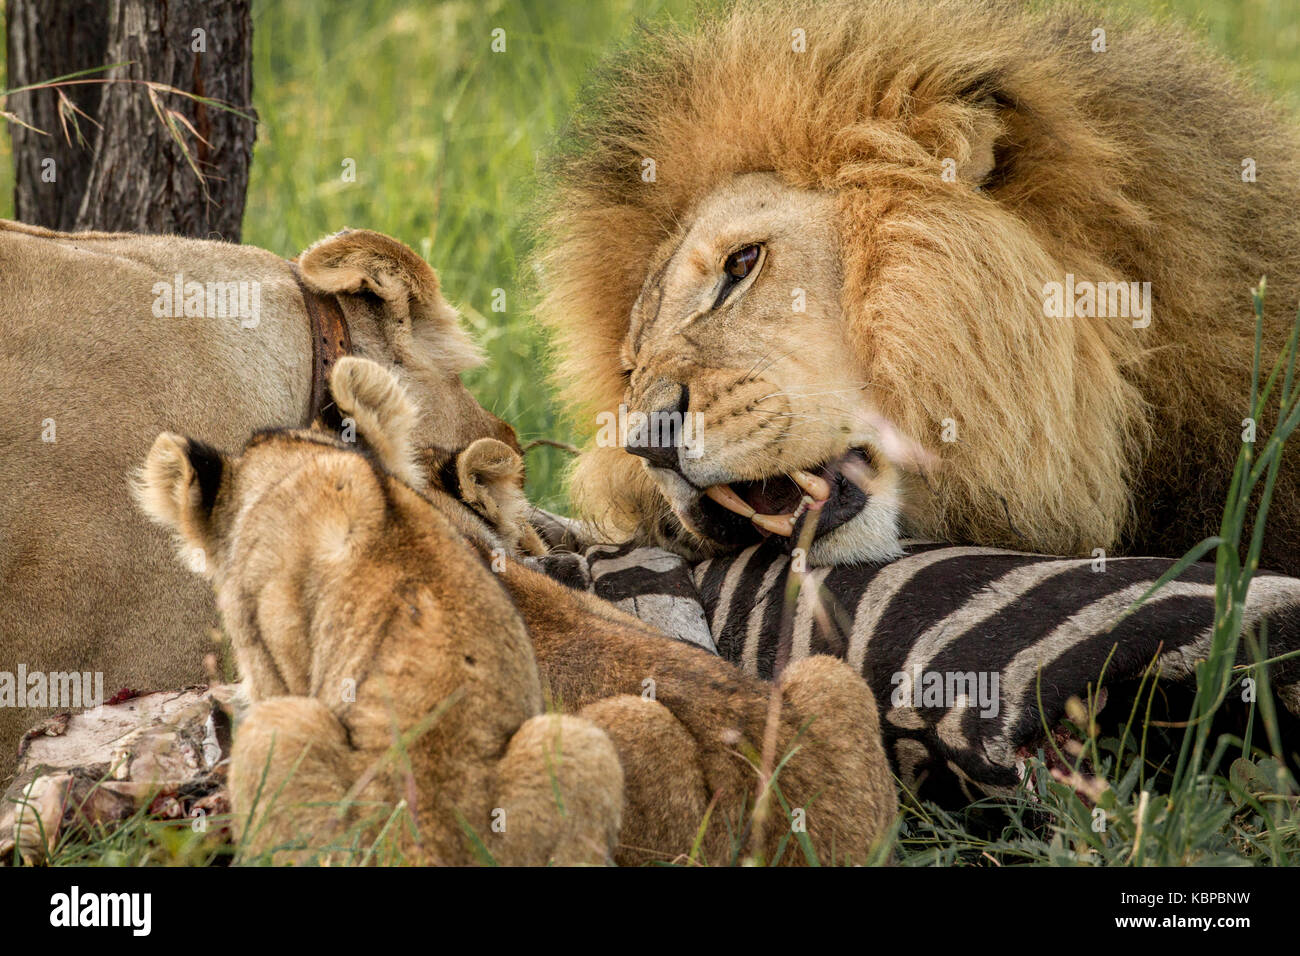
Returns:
<point x="393" y="686"/>
<point x="488" y="477"/>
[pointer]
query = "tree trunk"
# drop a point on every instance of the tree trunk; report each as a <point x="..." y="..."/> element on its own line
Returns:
<point x="137" y="178"/>
<point x="49" y="38"/>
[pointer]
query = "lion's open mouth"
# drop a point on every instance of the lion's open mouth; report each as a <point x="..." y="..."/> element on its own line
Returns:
<point x="782" y="505"/>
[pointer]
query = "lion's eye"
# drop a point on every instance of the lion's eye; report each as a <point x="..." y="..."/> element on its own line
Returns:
<point x="741" y="262"/>
<point x="738" y="267"/>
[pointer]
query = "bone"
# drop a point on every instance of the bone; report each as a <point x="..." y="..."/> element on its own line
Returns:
<point x="898" y="448"/>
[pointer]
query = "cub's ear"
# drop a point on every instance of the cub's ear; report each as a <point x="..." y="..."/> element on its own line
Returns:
<point x="490" y="478"/>
<point x="417" y="322"/>
<point x="385" y="416"/>
<point x="177" y="487"/>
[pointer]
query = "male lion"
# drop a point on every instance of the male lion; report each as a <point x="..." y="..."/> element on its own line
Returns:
<point x="106" y="339"/>
<point x="954" y="269"/>
<point x="361" y="603"/>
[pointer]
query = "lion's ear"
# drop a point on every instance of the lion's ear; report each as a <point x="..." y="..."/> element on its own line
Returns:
<point x="490" y="479"/>
<point x="486" y="465"/>
<point x="982" y="160"/>
<point x="988" y="111"/>
<point x="385" y="415"/>
<point x="417" y="322"/>
<point x="177" y="486"/>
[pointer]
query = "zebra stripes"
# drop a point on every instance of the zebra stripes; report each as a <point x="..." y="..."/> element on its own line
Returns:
<point x="959" y="644"/>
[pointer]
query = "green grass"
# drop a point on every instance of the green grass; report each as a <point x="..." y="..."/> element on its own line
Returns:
<point x="446" y="136"/>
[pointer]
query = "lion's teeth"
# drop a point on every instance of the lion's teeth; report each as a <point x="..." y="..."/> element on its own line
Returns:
<point x="775" y="524"/>
<point x="819" y="488"/>
<point x="724" y="496"/>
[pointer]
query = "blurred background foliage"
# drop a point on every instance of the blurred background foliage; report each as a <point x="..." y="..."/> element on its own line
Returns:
<point x="446" y="136"/>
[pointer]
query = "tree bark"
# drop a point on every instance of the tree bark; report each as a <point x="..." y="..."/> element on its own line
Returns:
<point x="137" y="178"/>
<point x="49" y="38"/>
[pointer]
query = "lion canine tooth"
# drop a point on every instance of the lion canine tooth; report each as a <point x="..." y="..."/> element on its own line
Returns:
<point x="725" y="496"/>
<point x="776" y="524"/>
<point x="819" y="488"/>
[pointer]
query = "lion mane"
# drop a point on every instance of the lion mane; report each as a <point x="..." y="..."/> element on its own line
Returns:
<point x="1122" y="165"/>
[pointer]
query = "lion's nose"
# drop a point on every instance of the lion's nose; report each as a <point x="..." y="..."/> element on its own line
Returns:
<point x="659" y="438"/>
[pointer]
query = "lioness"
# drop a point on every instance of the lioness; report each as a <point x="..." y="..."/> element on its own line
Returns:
<point x="332" y="566"/>
<point x="955" y="269"/>
<point x="105" y="340"/>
